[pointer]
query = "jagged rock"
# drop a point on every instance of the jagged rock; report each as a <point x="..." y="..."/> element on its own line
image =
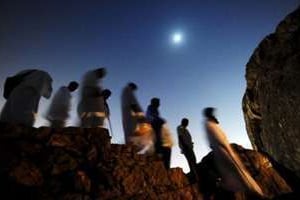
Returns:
<point x="26" y="173"/>
<point x="82" y="182"/>
<point x="85" y="165"/>
<point x="76" y="163"/>
<point x="256" y="163"/>
<point x="271" y="103"/>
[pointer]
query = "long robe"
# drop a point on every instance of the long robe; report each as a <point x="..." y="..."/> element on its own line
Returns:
<point x="60" y="105"/>
<point x="22" y="105"/>
<point x="143" y="138"/>
<point x="129" y="117"/>
<point x="91" y="108"/>
<point x="234" y="175"/>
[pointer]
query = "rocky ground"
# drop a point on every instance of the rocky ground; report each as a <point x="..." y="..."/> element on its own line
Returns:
<point x="75" y="163"/>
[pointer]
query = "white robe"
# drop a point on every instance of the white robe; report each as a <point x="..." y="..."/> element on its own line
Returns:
<point x="129" y="118"/>
<point x="166" y="136"/>
<point x="234" y="175"/>
<point x="22" y="105"/>
<point x="91" y="101"/>
<point x="143" y="138"/>
<point x="60" y="105"/>
<point x="91" y="105"/>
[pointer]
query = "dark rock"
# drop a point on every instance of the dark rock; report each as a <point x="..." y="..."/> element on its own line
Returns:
<point x="81" y="163"/>
<point x="271" y="103"/>
<point x="258" y="165"/>
<point x="26" y="173"/>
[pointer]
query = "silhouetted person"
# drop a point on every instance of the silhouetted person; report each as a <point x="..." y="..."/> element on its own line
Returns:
<point x="91" y="108"/>
<point x="234" y="176"/>
<point x="163" y="138"/>
<point x="156" y="121"/>
<point x="187" y="146"/>
<point x="58" y="112"/>
<point x="24" y="95"/>
<point x="130" y="115"/>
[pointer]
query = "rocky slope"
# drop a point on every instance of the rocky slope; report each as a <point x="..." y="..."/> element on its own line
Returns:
<point x="260" y="167"/>
<point x="75" y="163"/>
<point x="271" y="103"/>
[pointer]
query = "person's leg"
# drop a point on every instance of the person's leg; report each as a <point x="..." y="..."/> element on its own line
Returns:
<point x="157" y="130"/>
<point x="84" y="120"/>
<point x="191" y="158"/>
<point x="166" y="155"/>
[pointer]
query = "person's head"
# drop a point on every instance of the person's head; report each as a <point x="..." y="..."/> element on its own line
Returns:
<point x="155" y="102"/>
<point x="73" y="85"/>
<point x="100" y="72"/>
<point x="132" y="86"/>
<point x="185" y="122"/>
<point x="106" y="93"/>
<point x="209" y="113"/>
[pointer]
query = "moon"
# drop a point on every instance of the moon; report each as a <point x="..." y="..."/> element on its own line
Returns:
<point x="177" y="38"/>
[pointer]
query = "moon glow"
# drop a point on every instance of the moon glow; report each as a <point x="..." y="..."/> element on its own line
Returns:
<point x="177" y="38"/>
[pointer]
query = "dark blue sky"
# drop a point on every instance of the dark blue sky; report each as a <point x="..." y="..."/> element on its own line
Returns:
<point x="133" y="40"/>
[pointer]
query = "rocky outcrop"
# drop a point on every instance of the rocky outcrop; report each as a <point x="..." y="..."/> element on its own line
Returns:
<point x="259" y="166"/>
<point x="271" y="103"/>
<point x="75" y="163"/>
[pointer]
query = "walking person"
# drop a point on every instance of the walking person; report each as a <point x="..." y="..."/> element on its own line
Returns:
<point x="59" y="109"/>
<point x="91" y="108"/>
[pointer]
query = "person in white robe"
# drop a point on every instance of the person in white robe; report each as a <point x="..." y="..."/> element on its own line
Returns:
<point x="131" y="110"/>
<point x="166" y="145"/>
<point x="22" y="104"/>
<point x="91" y="108"/>
<point x="234" y="175"/>
<point x="59" y="109"/>
<point x="143" y="136"/>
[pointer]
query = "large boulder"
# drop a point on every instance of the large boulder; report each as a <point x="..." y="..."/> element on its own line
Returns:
<point x="271" y="103"/>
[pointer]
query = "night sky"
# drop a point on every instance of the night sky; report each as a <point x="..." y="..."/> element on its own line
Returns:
<point x="133" y="40"/>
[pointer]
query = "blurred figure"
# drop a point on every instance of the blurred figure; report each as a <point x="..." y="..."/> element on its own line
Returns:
<point x="91" y="108"/>
<point x="143" y="136"/>
<point x="106" y="94"/>
<point x="131" y="110"/>
<point x="163" y="139"/>
<point x="187" y="146"/>
<point x="59" y="109"/>
<point x="166" y="145"/>
<point x="23" y="92"/>
<point x="234" y="176"/>
<point x="156" y="121"/>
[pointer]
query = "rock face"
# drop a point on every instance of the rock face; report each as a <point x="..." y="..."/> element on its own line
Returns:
<point x="260" y="168"/>
<point x="271" y="103"/>
<point x="75" y="164"/>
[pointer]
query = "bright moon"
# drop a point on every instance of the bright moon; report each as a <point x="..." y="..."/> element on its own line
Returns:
<point x="177" y="38"/>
